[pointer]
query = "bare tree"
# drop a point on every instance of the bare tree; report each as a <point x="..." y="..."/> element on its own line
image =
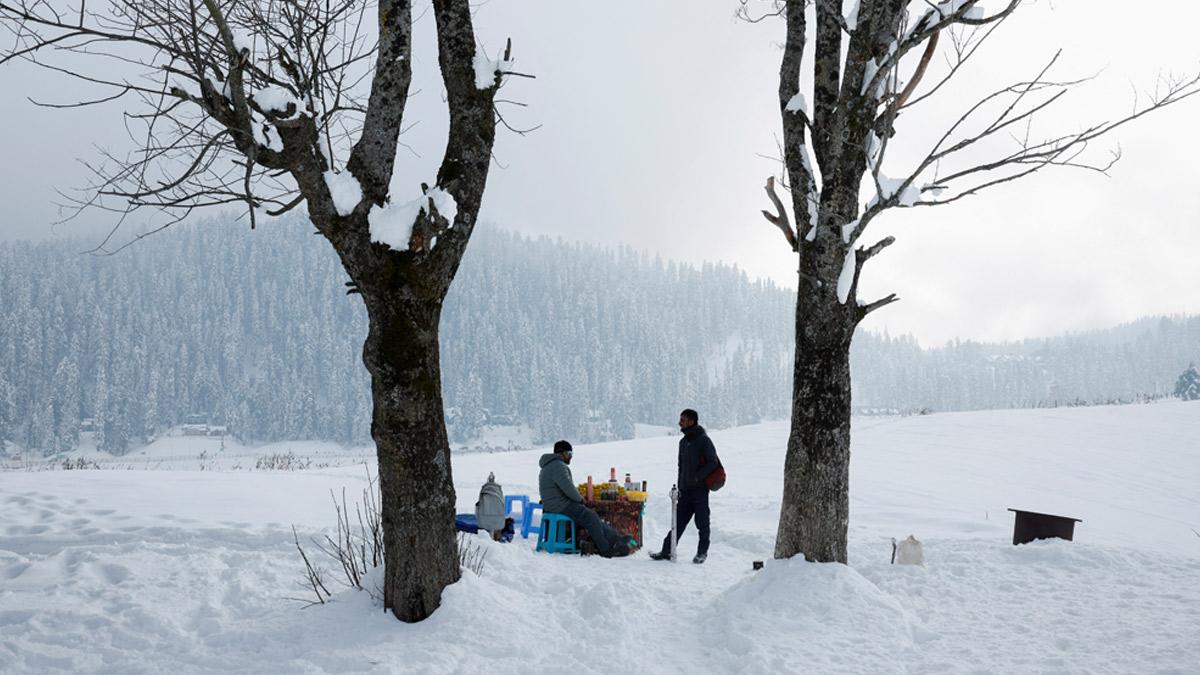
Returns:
<point x="259" y="103"/>
<point x="835" y="147"/>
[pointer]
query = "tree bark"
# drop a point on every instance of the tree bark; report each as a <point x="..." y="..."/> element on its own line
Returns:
<point x="408" y="426"/>
<point x="815" y="513"/>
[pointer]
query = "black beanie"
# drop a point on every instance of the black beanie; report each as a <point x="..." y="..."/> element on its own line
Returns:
<point x="562" y="446"/>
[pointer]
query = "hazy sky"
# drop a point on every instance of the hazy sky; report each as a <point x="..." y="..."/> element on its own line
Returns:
<point x="656" y="116"/>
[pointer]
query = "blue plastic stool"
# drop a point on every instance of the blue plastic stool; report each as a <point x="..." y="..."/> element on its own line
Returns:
<point x="509" y="500"/>
<point x="557" y="534"/>
<point x="527" y="519"/>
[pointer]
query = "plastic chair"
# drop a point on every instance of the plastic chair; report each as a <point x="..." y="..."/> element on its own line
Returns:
<point x="509" y="500"/>
<point x="557" y="534"/>
<point x="527" y="518"/>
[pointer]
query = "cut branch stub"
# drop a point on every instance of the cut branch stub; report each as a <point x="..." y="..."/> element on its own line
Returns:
<point x="780" y="219"/>
<point x="920" y="72"/>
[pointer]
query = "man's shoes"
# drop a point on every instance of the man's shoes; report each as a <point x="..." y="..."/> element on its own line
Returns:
<point x="619" y="549"/>
<point x="660" y="555"/>
<point x="700" y="558"/>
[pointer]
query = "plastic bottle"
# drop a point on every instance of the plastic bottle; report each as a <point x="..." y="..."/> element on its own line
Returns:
<point x="628" y="484"/>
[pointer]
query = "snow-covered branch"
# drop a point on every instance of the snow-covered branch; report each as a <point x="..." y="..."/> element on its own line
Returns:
<point x="230" y="96"/>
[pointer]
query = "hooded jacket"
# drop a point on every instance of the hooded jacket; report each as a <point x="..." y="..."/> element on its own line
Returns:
<point x="556" y="485"/>
<point x="694" y="445"/>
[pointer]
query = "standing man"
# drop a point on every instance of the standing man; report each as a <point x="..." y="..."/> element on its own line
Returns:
<point x="697" y="459"/>
<point x="559" y="495"/>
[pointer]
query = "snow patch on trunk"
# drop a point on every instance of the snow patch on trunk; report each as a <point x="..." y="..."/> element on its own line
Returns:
<point x="486" y="69"/>
<point x="275" y="99"/>
<point x="846" y="278"/>
<point x="798" y="104"/>
<point x="392" y="224"/>
<point x="345" y="191"/>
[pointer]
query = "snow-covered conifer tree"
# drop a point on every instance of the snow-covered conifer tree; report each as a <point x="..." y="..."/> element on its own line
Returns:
<point x="66" y="405"/>
<point x="1188" y="385"/>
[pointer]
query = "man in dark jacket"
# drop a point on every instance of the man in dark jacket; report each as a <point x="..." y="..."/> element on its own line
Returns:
<point x="559" y="495"/>
<point x="697" y="459"/>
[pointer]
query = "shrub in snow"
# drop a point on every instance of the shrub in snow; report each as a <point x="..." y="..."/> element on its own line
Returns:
<point x="1188" y="386"/>
<point x="358" y="552"/>
<point x="285" y="461"/>
<point x="79" y="463"/>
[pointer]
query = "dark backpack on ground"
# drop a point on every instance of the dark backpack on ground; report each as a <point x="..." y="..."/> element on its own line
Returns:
<point x="715" y="480"/>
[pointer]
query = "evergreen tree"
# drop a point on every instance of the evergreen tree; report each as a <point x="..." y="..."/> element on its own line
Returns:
<point x="42" y="428"/>
<point x="66" y="406"/>
<point x="1188" y="385"/>
<point x="6" y="413"/>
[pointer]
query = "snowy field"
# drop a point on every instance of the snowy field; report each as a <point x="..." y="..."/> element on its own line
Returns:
<point x="183" y="570"/>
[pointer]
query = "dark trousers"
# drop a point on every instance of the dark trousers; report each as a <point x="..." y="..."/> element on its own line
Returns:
<point x="691" y="503"/>
<point x="603" y="535"/>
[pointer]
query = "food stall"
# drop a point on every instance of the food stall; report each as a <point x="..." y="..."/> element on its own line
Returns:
<point x="621" y="505"/>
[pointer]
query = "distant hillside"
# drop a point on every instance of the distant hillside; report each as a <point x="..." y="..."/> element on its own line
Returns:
<point x="252" y="330"/>
<point x="1135" y="361"/>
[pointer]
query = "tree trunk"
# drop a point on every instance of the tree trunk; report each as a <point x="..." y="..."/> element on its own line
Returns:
<point x="815" y="513"/>
<point x="408" y="425"/>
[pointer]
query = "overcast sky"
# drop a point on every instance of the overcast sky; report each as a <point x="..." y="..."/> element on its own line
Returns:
<point x="656" y="117"/>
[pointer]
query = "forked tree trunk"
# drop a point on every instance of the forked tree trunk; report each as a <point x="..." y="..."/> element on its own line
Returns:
<point x="815" y="512"/>
<point x="408" y="426"/>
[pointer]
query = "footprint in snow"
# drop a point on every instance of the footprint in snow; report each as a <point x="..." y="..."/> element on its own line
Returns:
<point x="15" y="617"/>
<point x="14" y="570"/>
<point x="112" y="573"/>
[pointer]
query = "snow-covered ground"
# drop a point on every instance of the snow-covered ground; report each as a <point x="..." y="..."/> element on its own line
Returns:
<point x="174" y="450"/>
<point x="190" y="571"/>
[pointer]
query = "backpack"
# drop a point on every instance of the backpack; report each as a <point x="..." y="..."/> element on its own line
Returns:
<point x="907" y="552"/>
<point x="489" y="510"/>
<point x="715" y="480"/>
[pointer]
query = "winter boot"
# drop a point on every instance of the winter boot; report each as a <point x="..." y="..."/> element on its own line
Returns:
<point x="660" y="555"/>
<point x="700" y="558"/>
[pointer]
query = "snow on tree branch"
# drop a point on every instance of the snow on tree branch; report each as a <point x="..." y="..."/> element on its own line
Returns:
<point x="230" y="96"/>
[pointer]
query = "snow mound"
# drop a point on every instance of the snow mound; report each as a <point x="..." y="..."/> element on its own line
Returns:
<point x="787" y="615"/>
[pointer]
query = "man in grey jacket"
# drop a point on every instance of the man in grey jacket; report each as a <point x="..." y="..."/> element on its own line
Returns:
<point x="559" y="495"/>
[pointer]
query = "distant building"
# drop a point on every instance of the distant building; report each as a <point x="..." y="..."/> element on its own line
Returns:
<point x="196" y="424"/>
